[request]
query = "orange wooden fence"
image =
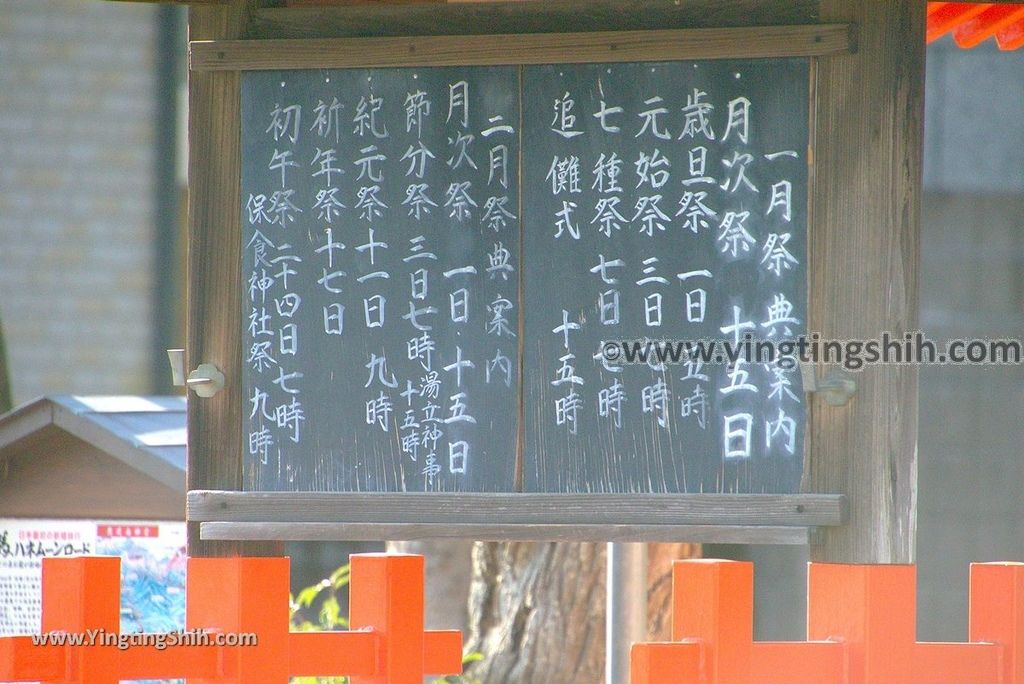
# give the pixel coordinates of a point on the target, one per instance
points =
(861, 622)
(387, 643)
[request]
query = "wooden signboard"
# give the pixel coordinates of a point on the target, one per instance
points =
(433, 258)
(360, 203)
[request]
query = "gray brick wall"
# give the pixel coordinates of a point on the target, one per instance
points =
(971, 445)
(973, 128)
(76, 194)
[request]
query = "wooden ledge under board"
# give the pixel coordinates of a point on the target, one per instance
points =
(322, 516)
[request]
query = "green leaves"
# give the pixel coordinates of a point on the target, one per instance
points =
(322, 601)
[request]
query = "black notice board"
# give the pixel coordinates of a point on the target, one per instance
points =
(381, 297)
(702, 149)
(665, 201)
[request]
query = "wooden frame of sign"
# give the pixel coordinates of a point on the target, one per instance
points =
(852, 453)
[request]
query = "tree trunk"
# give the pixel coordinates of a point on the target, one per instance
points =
(537, 610)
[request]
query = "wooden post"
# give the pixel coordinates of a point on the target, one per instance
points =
(863, 250)
(214, 270)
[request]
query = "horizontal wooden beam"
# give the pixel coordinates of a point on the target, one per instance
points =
(541, 48)
(538, 16)
(696, 534)
(468, 508)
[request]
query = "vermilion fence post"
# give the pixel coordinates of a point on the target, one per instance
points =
(237, 596)
(712, 623)
(869, 608)
(81, 596)
(861, 622)
(713, 602)
(387, 644)
(78, 596)
(997, 613)
(872, 609)
(387, 595)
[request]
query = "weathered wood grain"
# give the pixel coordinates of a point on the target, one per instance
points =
(541, 48)
(720, 534)
(537, 509)
(864, 256)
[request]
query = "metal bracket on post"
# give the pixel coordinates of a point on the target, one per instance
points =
(837, 387)
(176, 357)
(205, 381)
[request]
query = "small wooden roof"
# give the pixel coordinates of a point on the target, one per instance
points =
(104, 457)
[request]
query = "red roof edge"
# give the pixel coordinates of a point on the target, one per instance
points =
(972, 23)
